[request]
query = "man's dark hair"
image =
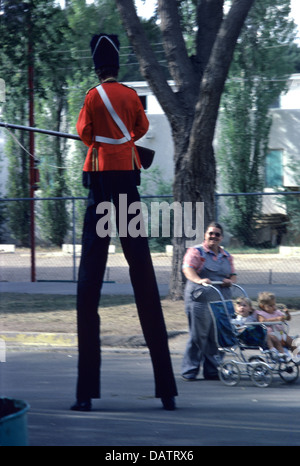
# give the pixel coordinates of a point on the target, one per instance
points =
(107, 72)
(216, 225)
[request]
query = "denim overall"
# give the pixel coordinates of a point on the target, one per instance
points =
(201, 346)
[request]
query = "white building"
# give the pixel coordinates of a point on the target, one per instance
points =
(284, 141)
(158, 137)
(282, 163)
(282, 158)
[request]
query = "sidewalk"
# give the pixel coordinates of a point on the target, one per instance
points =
(67, 288)
(283, 291)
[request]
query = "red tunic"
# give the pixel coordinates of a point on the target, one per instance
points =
(95, 120)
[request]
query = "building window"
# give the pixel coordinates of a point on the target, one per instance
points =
(143, 99)
(273, 168)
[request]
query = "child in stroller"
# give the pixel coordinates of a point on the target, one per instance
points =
(278, 339)
(249, 335)
(244, 311)
(234, 340)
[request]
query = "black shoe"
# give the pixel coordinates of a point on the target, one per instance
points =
(189, 379)
(168, 403)
(82, 406)
(212, 377)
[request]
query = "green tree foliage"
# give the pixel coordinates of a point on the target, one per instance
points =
(12, 53)
(32, 31)
(258, 75)
(63, 72)
(51, 109)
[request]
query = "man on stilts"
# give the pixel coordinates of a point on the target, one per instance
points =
(111, 169)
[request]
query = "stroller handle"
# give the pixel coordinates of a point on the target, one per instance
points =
(213, 284)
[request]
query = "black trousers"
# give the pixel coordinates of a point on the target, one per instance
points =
(107, 186)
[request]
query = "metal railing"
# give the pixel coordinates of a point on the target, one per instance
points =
(55, 265)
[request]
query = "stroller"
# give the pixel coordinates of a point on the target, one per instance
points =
(237, 344)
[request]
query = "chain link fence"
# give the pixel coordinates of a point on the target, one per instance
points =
(273, 258)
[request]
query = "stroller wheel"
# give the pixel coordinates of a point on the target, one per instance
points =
(229, 373)
(252, 359)
(289, 372)
(261, 375)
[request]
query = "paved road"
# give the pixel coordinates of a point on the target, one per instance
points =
(128, 415)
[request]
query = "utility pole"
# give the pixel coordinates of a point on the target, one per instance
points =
(31, 142)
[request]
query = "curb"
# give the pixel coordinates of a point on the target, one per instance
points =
(39, 339)
(45, 340)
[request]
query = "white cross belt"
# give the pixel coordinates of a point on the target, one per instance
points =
(110, 140)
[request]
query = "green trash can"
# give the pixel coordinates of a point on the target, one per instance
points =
(13, 423)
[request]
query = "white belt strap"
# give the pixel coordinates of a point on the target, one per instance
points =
(110, 140)
(116, 119)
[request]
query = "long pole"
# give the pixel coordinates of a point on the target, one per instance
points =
(31, 145)
(33, 130)
(40, 130)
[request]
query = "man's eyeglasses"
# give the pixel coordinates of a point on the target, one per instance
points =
(212, 233)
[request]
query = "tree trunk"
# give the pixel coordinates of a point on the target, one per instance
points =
(194, 182)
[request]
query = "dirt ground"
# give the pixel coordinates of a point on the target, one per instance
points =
(54, 313)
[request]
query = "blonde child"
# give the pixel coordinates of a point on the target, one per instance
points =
(268, 312)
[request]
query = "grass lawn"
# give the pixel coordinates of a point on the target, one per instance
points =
(57, 313)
